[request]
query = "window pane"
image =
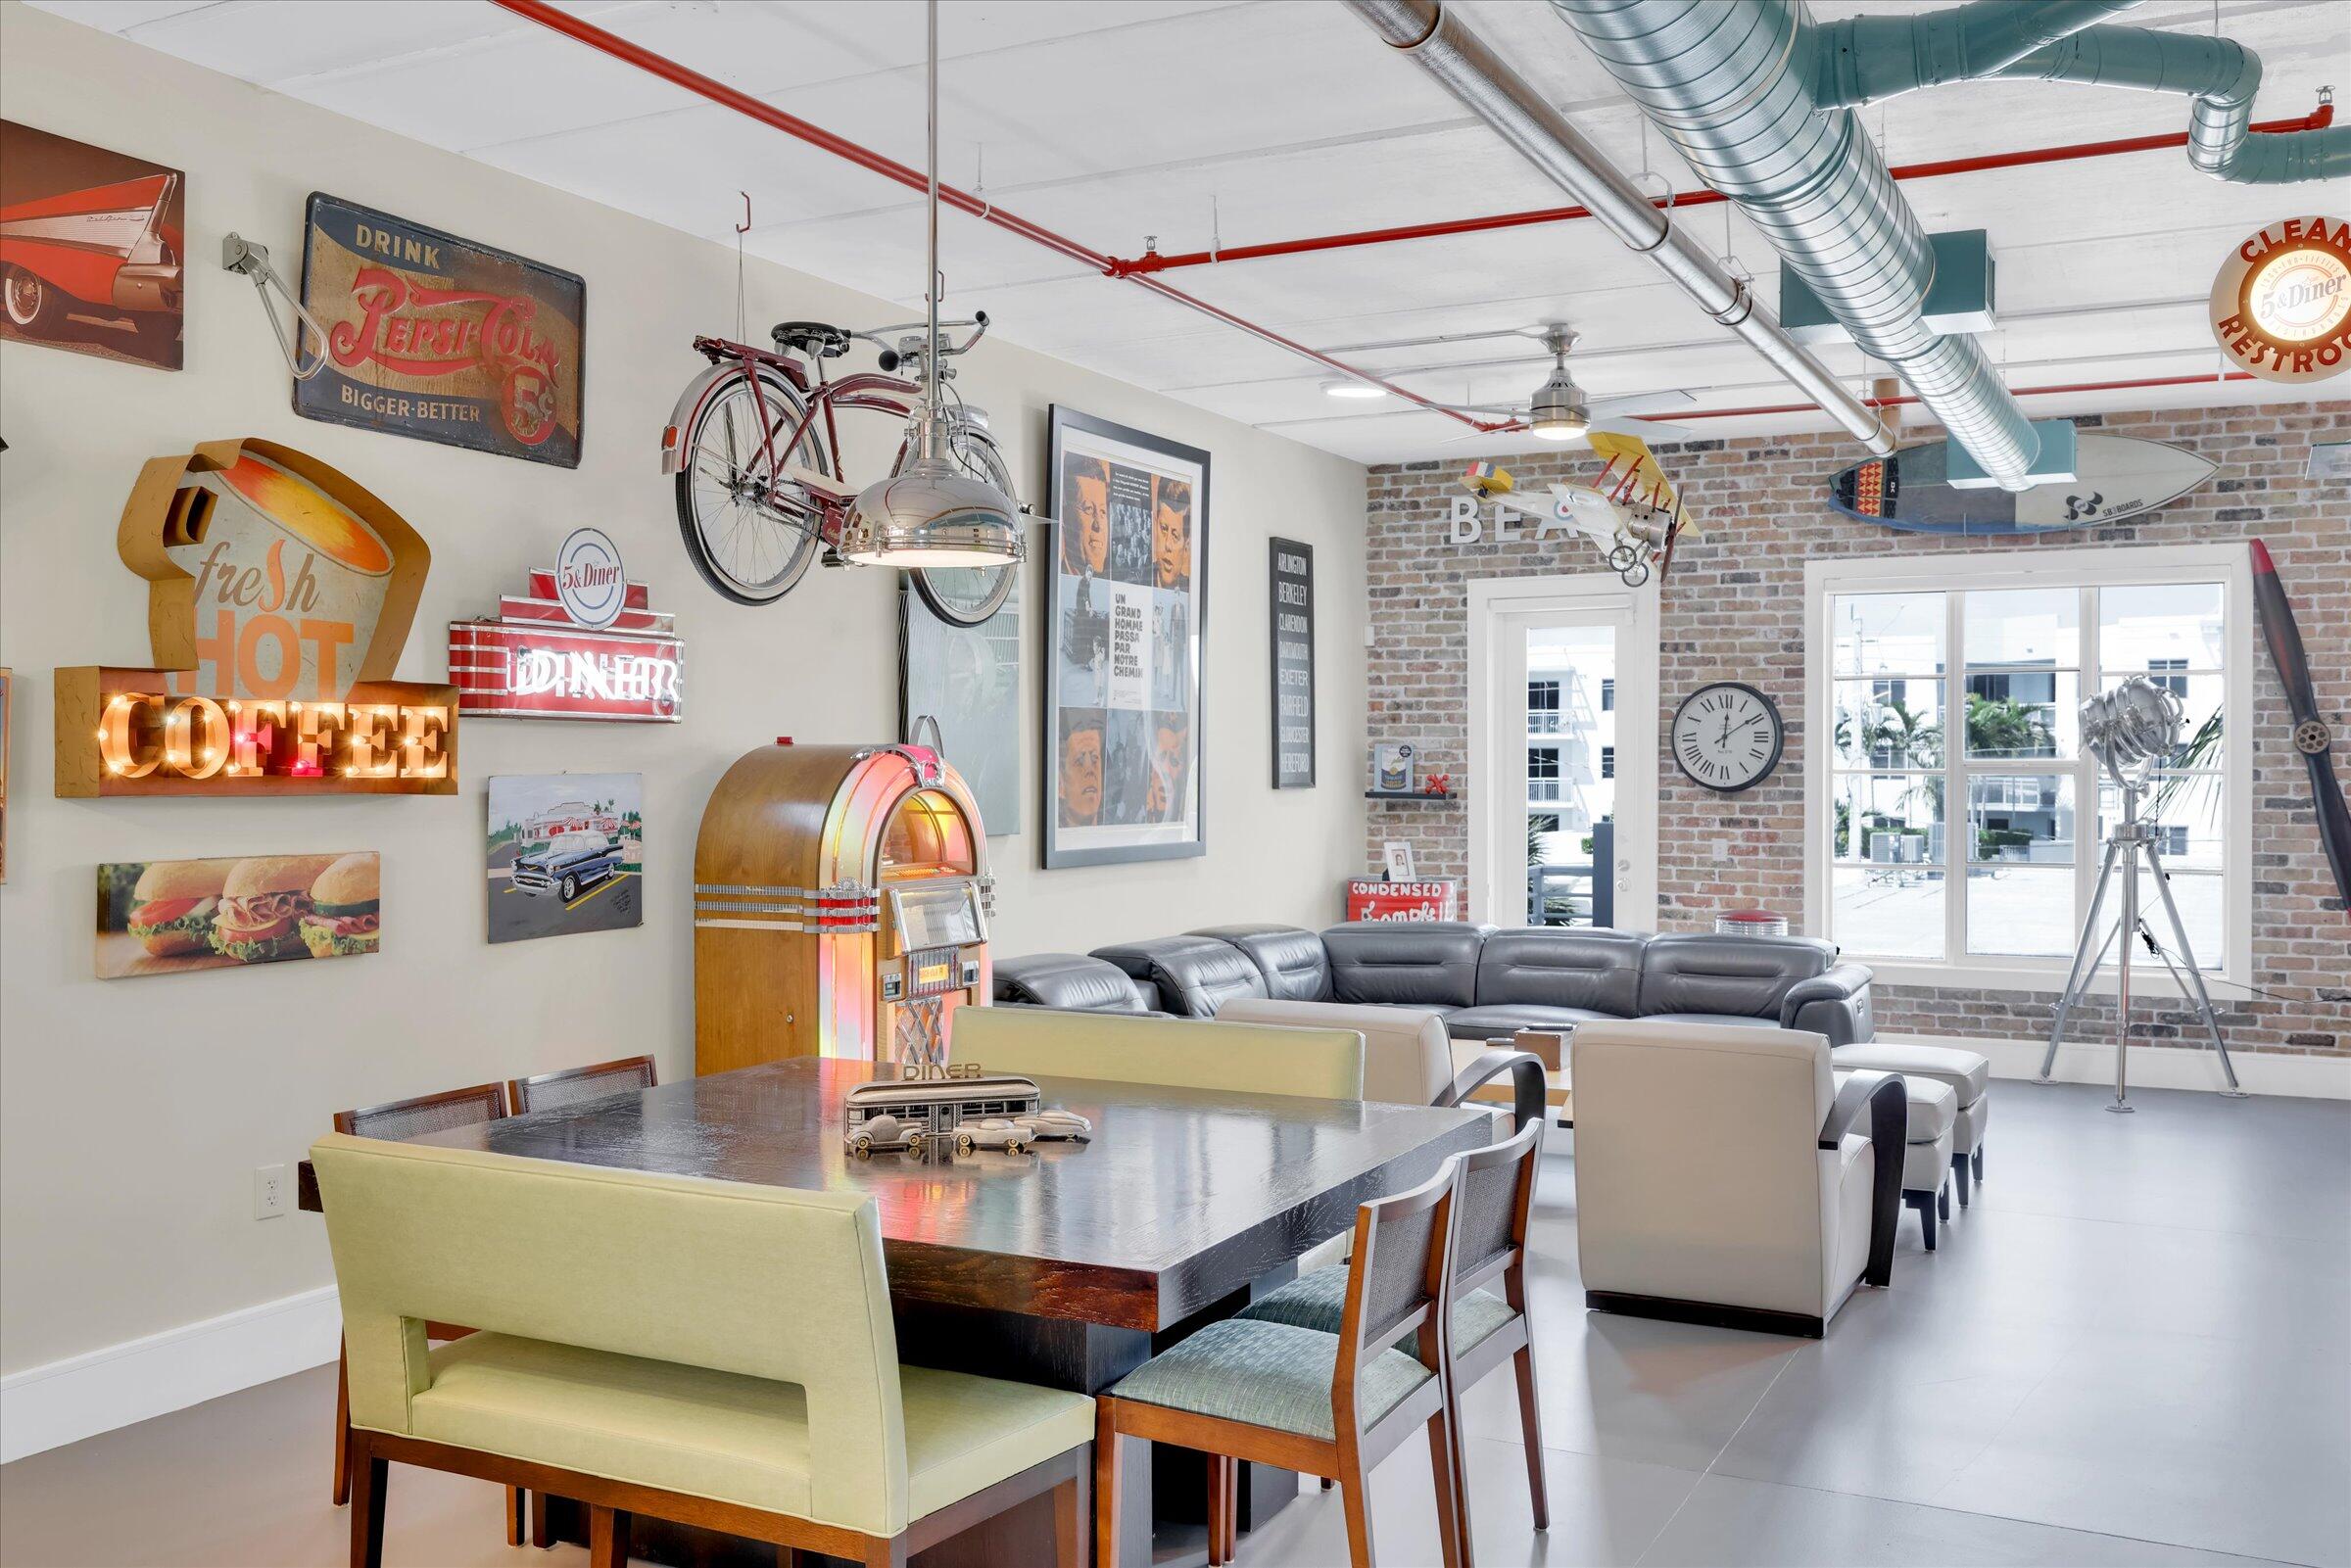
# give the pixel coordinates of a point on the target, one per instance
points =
(1887, 634)
(1890, 723)
(2020, 818)
(1887, 913)
(2021, 912)
(2202, 908)
(2165, 621)
(2024, 628)
(1890, 819)
(2186, 809)
(2013, 715)
(2200, 694)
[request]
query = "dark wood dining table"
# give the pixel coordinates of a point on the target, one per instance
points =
(1069, 1265)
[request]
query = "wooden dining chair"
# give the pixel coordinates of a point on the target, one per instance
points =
(412, 1118)
(1486, 1242)
(548, 1090)
(1322, 1404)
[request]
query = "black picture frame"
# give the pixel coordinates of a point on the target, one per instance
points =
(1290, 649)
(1117, 582)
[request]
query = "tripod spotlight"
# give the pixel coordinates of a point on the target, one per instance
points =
(2131, 730)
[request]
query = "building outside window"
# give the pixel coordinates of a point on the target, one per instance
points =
(1542, 706)
(1957, 821)
(1608, 696)
(1608, 762)
(1542, 773)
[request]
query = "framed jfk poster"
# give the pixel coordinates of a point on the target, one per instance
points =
(1124, 725)
(440, 338)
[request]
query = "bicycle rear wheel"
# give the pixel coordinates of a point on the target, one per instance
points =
(750, 532)
(967, 596)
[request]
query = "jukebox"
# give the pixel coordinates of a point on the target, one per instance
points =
(840, 906)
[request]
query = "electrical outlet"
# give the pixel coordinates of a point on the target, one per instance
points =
(1722, 849)
(269, 1191)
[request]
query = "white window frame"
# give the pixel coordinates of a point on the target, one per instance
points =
(2119, 567)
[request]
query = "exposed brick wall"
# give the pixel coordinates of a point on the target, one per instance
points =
(1733, 609)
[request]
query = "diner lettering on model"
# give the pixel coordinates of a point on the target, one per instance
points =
(394, 405)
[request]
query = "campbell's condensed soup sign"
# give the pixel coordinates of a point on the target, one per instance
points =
(2281, 304)
(439, 338)
(581, 641)
(1370, 898)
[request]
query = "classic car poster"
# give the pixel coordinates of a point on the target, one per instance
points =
(966, 678)
(1122, 722)
(437, 338)
(92, 248)
(162, 917)
(567, 853)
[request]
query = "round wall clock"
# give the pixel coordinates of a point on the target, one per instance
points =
(1727, 736)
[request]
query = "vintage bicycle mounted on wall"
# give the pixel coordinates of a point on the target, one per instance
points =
(756, 451)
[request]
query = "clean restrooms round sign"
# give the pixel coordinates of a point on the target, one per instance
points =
(2282, 305)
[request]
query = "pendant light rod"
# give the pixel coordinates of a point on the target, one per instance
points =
(930, 280)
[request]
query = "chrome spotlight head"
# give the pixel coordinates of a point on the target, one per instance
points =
(932, 513)
(2135, 725)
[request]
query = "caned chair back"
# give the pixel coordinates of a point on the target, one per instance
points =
(546, 1091)
(427, 1112)
(1492, 1205)
(1393, 1281)
(1179, 1053)
(768, 1282)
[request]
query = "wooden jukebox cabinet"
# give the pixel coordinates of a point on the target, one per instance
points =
(841, 907)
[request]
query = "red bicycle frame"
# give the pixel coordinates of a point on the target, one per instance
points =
(866, 389)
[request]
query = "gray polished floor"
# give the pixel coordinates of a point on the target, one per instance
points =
(2134, 1349)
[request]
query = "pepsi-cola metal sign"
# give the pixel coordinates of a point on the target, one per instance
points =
(582, 641)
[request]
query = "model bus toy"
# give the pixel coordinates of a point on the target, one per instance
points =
(907, 1114)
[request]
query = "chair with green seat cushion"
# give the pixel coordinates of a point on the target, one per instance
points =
(1181, 1052)
(653, 1343)
(1317, 1301)
(1327, 1404)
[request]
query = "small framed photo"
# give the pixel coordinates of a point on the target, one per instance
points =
(1393, 770)
(1399, 856)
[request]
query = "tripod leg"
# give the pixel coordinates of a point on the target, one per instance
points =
(2085, 965)
(2195, 975)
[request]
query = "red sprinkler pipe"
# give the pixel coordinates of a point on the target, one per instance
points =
(1153, 261)
(1684, 417)
(889, 168)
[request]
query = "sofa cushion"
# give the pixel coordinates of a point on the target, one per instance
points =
(1740, 1021)
(1745, 975)
(1292, 960)
(722, 1434)
(1967, 1073)
(1492, 1023)
(1072, 981)
(1192, 973)
(1599, 969)
(1416, 962)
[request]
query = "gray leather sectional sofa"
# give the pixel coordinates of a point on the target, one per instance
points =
(1486, 981)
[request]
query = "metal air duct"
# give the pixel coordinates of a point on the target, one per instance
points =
(1459, 61)
(1728, 82)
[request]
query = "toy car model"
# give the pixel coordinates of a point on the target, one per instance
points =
(1017, 1134)
(1058, 1126)
(569, 863)
(883, 1134)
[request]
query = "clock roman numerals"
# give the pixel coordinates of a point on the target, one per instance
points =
(1726, 737)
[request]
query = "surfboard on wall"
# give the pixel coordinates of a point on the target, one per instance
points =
(2115, 476)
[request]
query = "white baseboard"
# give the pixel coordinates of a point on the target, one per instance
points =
(2157, 1067)
(45, 1406)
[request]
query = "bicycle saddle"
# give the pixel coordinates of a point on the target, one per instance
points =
(817, 339)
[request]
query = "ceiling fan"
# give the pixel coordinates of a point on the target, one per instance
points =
(1560, 412)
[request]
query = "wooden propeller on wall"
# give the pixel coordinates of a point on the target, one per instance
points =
(2310, 734)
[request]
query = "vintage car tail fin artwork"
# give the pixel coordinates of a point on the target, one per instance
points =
(92, 248)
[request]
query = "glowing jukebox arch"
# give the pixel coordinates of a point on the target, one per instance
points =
(840, 906)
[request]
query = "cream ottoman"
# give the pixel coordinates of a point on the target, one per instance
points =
(1927, 1161)
(1968, 1074)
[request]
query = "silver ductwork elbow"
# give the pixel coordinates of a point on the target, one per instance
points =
(1729, 82)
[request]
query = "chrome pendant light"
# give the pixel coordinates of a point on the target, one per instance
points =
(932, 512)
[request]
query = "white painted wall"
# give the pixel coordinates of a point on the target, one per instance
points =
(132, 1112)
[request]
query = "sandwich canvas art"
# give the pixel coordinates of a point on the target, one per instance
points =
(160, 916)
(566, 853)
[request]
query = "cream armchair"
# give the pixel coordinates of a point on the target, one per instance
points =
(1724, 1175)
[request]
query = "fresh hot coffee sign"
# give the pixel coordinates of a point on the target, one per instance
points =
(280, 594)
(435, 337)
(581, 641)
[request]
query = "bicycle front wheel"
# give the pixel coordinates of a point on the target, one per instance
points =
(967, 596)
(750, 531)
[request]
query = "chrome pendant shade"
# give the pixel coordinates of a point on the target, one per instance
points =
(934, 512)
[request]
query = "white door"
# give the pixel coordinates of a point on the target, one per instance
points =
(1562, 734)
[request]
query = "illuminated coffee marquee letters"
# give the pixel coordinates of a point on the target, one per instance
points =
(279, 594)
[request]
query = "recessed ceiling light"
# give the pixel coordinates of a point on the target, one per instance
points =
(1353, 388)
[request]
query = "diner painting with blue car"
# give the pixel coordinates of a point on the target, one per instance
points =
(566, 853)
